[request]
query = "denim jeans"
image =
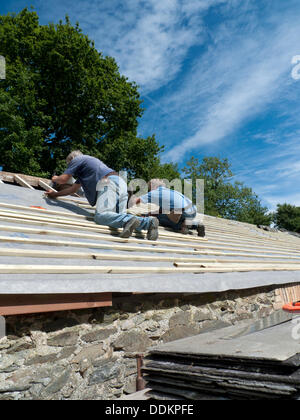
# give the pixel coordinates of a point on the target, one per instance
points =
(112, 204)
(166, 222)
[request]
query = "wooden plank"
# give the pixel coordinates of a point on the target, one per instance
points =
(92, 226)
(63, 214)
(163, 233)
(56, 243)
(36, 253)
(245, 265)
(99, 228)
(31, 180)
(30, 304)
(22, 182)
(39, 221)
(97, 245)
(171, 245)
(28, 219)
(46, 186)
(52, 269)
(82, 203)
(233, 263)
(96, 236)
(289, 293)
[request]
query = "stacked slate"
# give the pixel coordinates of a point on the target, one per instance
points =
(233, 363)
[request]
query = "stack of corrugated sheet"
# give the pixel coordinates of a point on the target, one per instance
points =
(232, 363)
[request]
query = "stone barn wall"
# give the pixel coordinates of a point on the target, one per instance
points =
(90, 354)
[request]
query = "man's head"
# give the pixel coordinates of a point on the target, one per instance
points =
(155, 183)
(73, 155)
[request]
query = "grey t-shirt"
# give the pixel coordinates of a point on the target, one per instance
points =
(88, 171)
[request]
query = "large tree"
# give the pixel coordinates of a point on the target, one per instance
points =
(223, 197)
(61, 94)
(287, 217)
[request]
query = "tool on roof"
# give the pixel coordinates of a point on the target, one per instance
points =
(293, 307)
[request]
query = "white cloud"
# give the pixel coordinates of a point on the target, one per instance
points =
(253, 74)
(149, 39)
(275, 199)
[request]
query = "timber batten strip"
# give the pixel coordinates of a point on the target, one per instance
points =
(35, 253)
(31, 180)
(46, 186)
(163, 233)
(13, 216)
(46, 211)
(97, 245)
(51, 269)
(109, 238)
(78, 225)
(132, 248)
(93, 227)
(22, 182)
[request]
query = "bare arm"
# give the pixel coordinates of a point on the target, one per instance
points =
(62, 179)
(68, 191)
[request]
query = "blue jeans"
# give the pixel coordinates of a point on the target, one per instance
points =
(166, 222)
(112, 204)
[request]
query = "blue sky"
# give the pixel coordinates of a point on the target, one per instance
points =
(215, 77)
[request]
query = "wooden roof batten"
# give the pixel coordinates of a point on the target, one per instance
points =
(229, 247)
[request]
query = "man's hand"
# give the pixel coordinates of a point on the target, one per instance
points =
(51, 194)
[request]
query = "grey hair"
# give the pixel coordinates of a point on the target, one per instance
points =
(156, 183)
(73, 155)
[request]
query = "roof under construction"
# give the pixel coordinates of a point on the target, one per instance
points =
(59, 249)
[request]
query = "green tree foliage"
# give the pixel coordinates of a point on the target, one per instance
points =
(169, 171)
(224, 198)
(61, 94)
(287, 217)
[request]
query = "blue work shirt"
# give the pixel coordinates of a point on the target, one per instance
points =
(168, 200)
(88, 171)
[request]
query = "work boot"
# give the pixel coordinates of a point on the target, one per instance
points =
(184, 229)
(130, 226)
(201, 231)
(152, 234)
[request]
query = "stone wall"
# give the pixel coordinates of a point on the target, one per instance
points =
(91, 354)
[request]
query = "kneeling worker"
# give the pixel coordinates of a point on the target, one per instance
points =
(175, 210)
(104, 188)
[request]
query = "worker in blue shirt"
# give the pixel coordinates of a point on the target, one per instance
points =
(106, 190)
(176, 211)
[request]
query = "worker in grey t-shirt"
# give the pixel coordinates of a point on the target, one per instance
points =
(104, 188)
